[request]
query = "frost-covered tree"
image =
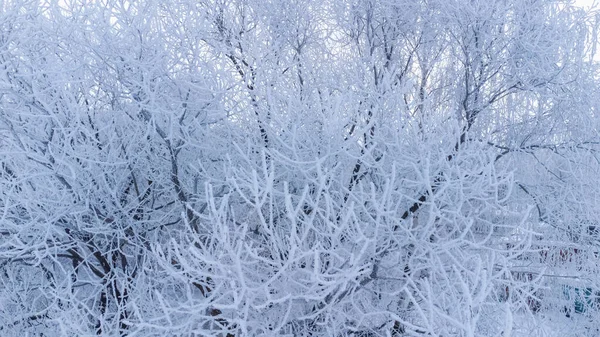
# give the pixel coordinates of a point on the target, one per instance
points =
(299, 168)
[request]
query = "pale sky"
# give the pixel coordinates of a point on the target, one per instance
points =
(584, 3)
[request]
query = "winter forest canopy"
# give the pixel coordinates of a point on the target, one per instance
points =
(299, 168)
